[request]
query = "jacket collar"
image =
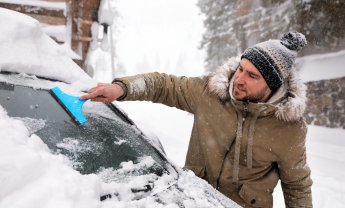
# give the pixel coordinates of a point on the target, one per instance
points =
(289, 102)
(261, 109)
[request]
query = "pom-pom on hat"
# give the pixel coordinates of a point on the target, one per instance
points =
(274, 58)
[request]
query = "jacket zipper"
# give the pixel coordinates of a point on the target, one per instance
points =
(245, 109)
(244, 115)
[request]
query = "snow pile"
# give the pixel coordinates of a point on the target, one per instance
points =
(30, 176)
(326, 156)
(27, 49)
(58, 32)
(188, 190)
(322, 66)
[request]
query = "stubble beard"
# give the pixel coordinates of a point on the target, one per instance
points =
(251, 98)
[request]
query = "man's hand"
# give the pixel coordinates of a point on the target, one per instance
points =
(104, 92)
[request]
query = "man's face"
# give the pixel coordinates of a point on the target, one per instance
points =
(249, 83)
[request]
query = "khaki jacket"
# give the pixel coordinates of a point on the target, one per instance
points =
(242, 149)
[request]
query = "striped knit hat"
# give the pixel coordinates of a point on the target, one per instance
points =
(274, 58)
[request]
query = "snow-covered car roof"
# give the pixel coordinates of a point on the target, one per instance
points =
(25, 48)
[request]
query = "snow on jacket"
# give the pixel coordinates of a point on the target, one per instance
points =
(240, 148)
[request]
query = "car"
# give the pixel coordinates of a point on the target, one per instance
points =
(47, 159)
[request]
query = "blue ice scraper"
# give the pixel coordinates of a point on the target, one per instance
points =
(71, 104)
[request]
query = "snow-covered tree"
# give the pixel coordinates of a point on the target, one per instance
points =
(219, 26)
(323, 24)
(233, 25)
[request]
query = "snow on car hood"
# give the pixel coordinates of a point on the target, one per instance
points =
(33, 177)
(25, 48)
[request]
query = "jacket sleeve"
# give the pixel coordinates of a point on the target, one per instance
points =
(294, 171)
(180, 92)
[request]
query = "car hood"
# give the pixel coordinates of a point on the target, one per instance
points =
(27, 49)
(34, 175)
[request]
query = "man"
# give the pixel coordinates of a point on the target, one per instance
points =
(248, 130)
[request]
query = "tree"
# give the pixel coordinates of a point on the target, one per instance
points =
(323, 24)
(233, 25)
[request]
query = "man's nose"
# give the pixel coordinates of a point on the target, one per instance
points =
(240, 78)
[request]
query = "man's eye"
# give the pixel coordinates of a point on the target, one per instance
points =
(253, 76)
(240, 68)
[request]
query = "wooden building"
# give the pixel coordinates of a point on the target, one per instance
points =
(74, 17)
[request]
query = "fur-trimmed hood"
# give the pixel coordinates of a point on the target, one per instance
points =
(289, 100)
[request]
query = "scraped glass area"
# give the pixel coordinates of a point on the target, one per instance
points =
(103, 142)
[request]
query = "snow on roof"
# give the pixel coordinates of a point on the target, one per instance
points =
(322, 67)
(25, 48)
(45, 4)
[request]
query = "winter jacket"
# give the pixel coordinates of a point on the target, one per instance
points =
(242, 149)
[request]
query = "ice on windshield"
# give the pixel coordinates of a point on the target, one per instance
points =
(33, 125)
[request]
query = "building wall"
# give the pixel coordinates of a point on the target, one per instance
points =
(326, 103)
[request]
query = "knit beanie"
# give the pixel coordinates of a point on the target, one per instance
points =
(274, 58)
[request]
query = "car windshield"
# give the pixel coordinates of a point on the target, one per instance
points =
(105, 141)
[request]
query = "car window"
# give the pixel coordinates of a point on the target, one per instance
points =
(105, 141)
